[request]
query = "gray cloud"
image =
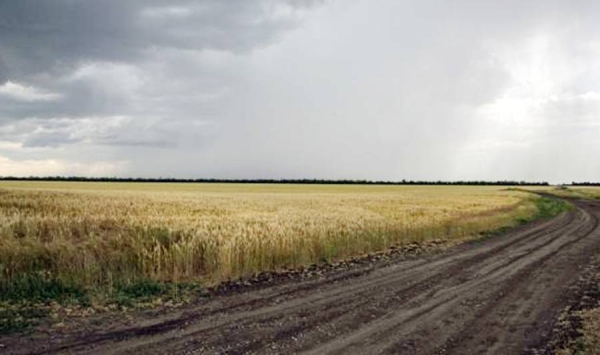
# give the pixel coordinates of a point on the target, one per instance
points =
(50, 35)
(338, 89)
(46, 42)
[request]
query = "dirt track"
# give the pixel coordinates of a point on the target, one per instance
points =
(498, 296)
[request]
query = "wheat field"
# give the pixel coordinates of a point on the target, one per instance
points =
(586, 192)
(96, 235)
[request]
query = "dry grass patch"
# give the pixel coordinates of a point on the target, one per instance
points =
(588, 342)
(591, 331)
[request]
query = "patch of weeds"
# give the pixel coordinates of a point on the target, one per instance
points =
(23, 300)
(38, 287)
(144, 288)
(14, 318)
(128, 294)
(146, 291)
(549, 207)
(26, 300)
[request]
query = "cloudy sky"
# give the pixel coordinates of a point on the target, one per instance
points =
(356, 89)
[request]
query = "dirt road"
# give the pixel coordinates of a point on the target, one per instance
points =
(498, 296)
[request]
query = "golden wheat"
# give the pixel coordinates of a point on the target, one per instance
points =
(96, 234)
(592, 192)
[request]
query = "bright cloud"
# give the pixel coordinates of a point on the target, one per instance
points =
(53, 167)
(20, 92)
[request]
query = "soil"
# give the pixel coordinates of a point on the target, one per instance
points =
(501, 295)
(584, 296)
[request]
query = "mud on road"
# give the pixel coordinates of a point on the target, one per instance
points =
(498, 296)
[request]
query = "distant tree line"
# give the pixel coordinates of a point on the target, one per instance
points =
(585, 183)
(276, 181)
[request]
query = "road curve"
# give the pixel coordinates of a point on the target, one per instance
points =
(498, 296)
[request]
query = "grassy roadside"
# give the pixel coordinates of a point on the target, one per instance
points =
(39, 296)
(546, 208)
(549, 207)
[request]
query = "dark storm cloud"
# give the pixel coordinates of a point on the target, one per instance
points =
(52, 35)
